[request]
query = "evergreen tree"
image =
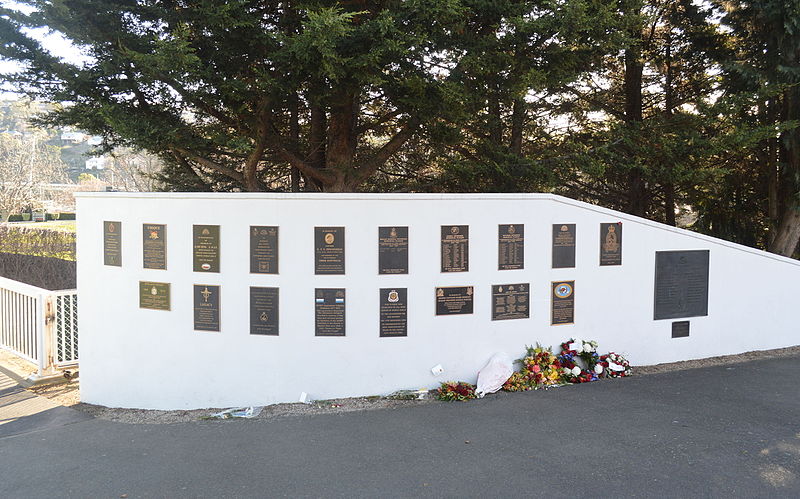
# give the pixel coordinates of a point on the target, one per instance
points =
(243, 94)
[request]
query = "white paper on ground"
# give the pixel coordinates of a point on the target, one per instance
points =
(494, 374)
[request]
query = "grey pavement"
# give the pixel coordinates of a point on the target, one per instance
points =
(725, 431)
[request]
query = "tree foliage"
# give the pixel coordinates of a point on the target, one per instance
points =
(680, 111)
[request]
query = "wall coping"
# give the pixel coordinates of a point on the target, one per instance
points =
(355, 196)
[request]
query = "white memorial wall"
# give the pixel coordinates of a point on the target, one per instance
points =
(134, 356)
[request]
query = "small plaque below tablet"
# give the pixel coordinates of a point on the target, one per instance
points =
(680, 329)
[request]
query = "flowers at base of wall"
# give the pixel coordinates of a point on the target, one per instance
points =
(615, 365)
(580, 361)
(540, 369)
(455, 391)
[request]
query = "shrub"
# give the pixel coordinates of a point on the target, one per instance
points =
(39, 271)
(37, 242)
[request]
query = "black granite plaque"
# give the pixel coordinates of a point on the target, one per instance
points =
(611, 243)
(329, 250)
(455, 248)
(263, 249)
(264, 311)
(205, 248)
(393, 312)
(393, 250)
(563, 246)
(510, 301)
(454, 300)
(206, 307)
(681, 284)
(680, 329)
(511, 247)
(329, 312)
(154, 246)
(562, 309)
(112, 244)
(154, 295)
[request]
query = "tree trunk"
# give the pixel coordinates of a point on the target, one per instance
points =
(316, 142)
(637, 189)
(517, 125)
(787, 235)
(342, 140)
(788, 232)
(669, 104)
(495, 120)
(294, 139)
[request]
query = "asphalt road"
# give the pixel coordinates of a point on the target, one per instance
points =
(715, 432)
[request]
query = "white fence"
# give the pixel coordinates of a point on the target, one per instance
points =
(39, 325)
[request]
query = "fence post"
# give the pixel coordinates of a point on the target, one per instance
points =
(45, 315)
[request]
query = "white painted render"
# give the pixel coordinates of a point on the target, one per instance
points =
(132, 357)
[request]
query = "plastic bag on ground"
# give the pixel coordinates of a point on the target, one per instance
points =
(494, 374)
(238, 412)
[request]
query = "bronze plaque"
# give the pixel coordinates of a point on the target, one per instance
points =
(329, 308)
(112, 243)
(328, 250)
(154, 295)
(563, 246)
(681, 284)
(264, 311)
(206, 307)
(680, 329)
(393, 312)
(455, 248)
(205, 248)
(511, 247)
(392, 250)
(562, 309)
(154, 246)
(455, 300)
(611, 243)
(263, 249)
(510, 301)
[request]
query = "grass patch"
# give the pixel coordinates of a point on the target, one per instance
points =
(60, 225)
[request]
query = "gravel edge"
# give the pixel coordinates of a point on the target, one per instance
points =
(343, 405)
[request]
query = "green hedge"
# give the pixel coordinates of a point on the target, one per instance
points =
(24, 217)
(37, 242)
(59, 216)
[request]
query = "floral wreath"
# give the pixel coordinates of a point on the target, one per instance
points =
(540, 369)
(615, 365)
(585, 351)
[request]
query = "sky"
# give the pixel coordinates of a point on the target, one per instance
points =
(53, 42)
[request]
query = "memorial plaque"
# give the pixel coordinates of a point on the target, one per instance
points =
(264, 311)
(511, 247)
(392, 250)
(680, 329)
(510, 301)
(611, 243)
(454, 300)
(154, 295)
(455, 248)
(562, 309)
(206, 307)
(393, 312)
(329, 250)
(263, 249)
(681, 284)
(563, 246)
(112, 244)
(205, 248)
(329, 312)
(154, 246)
